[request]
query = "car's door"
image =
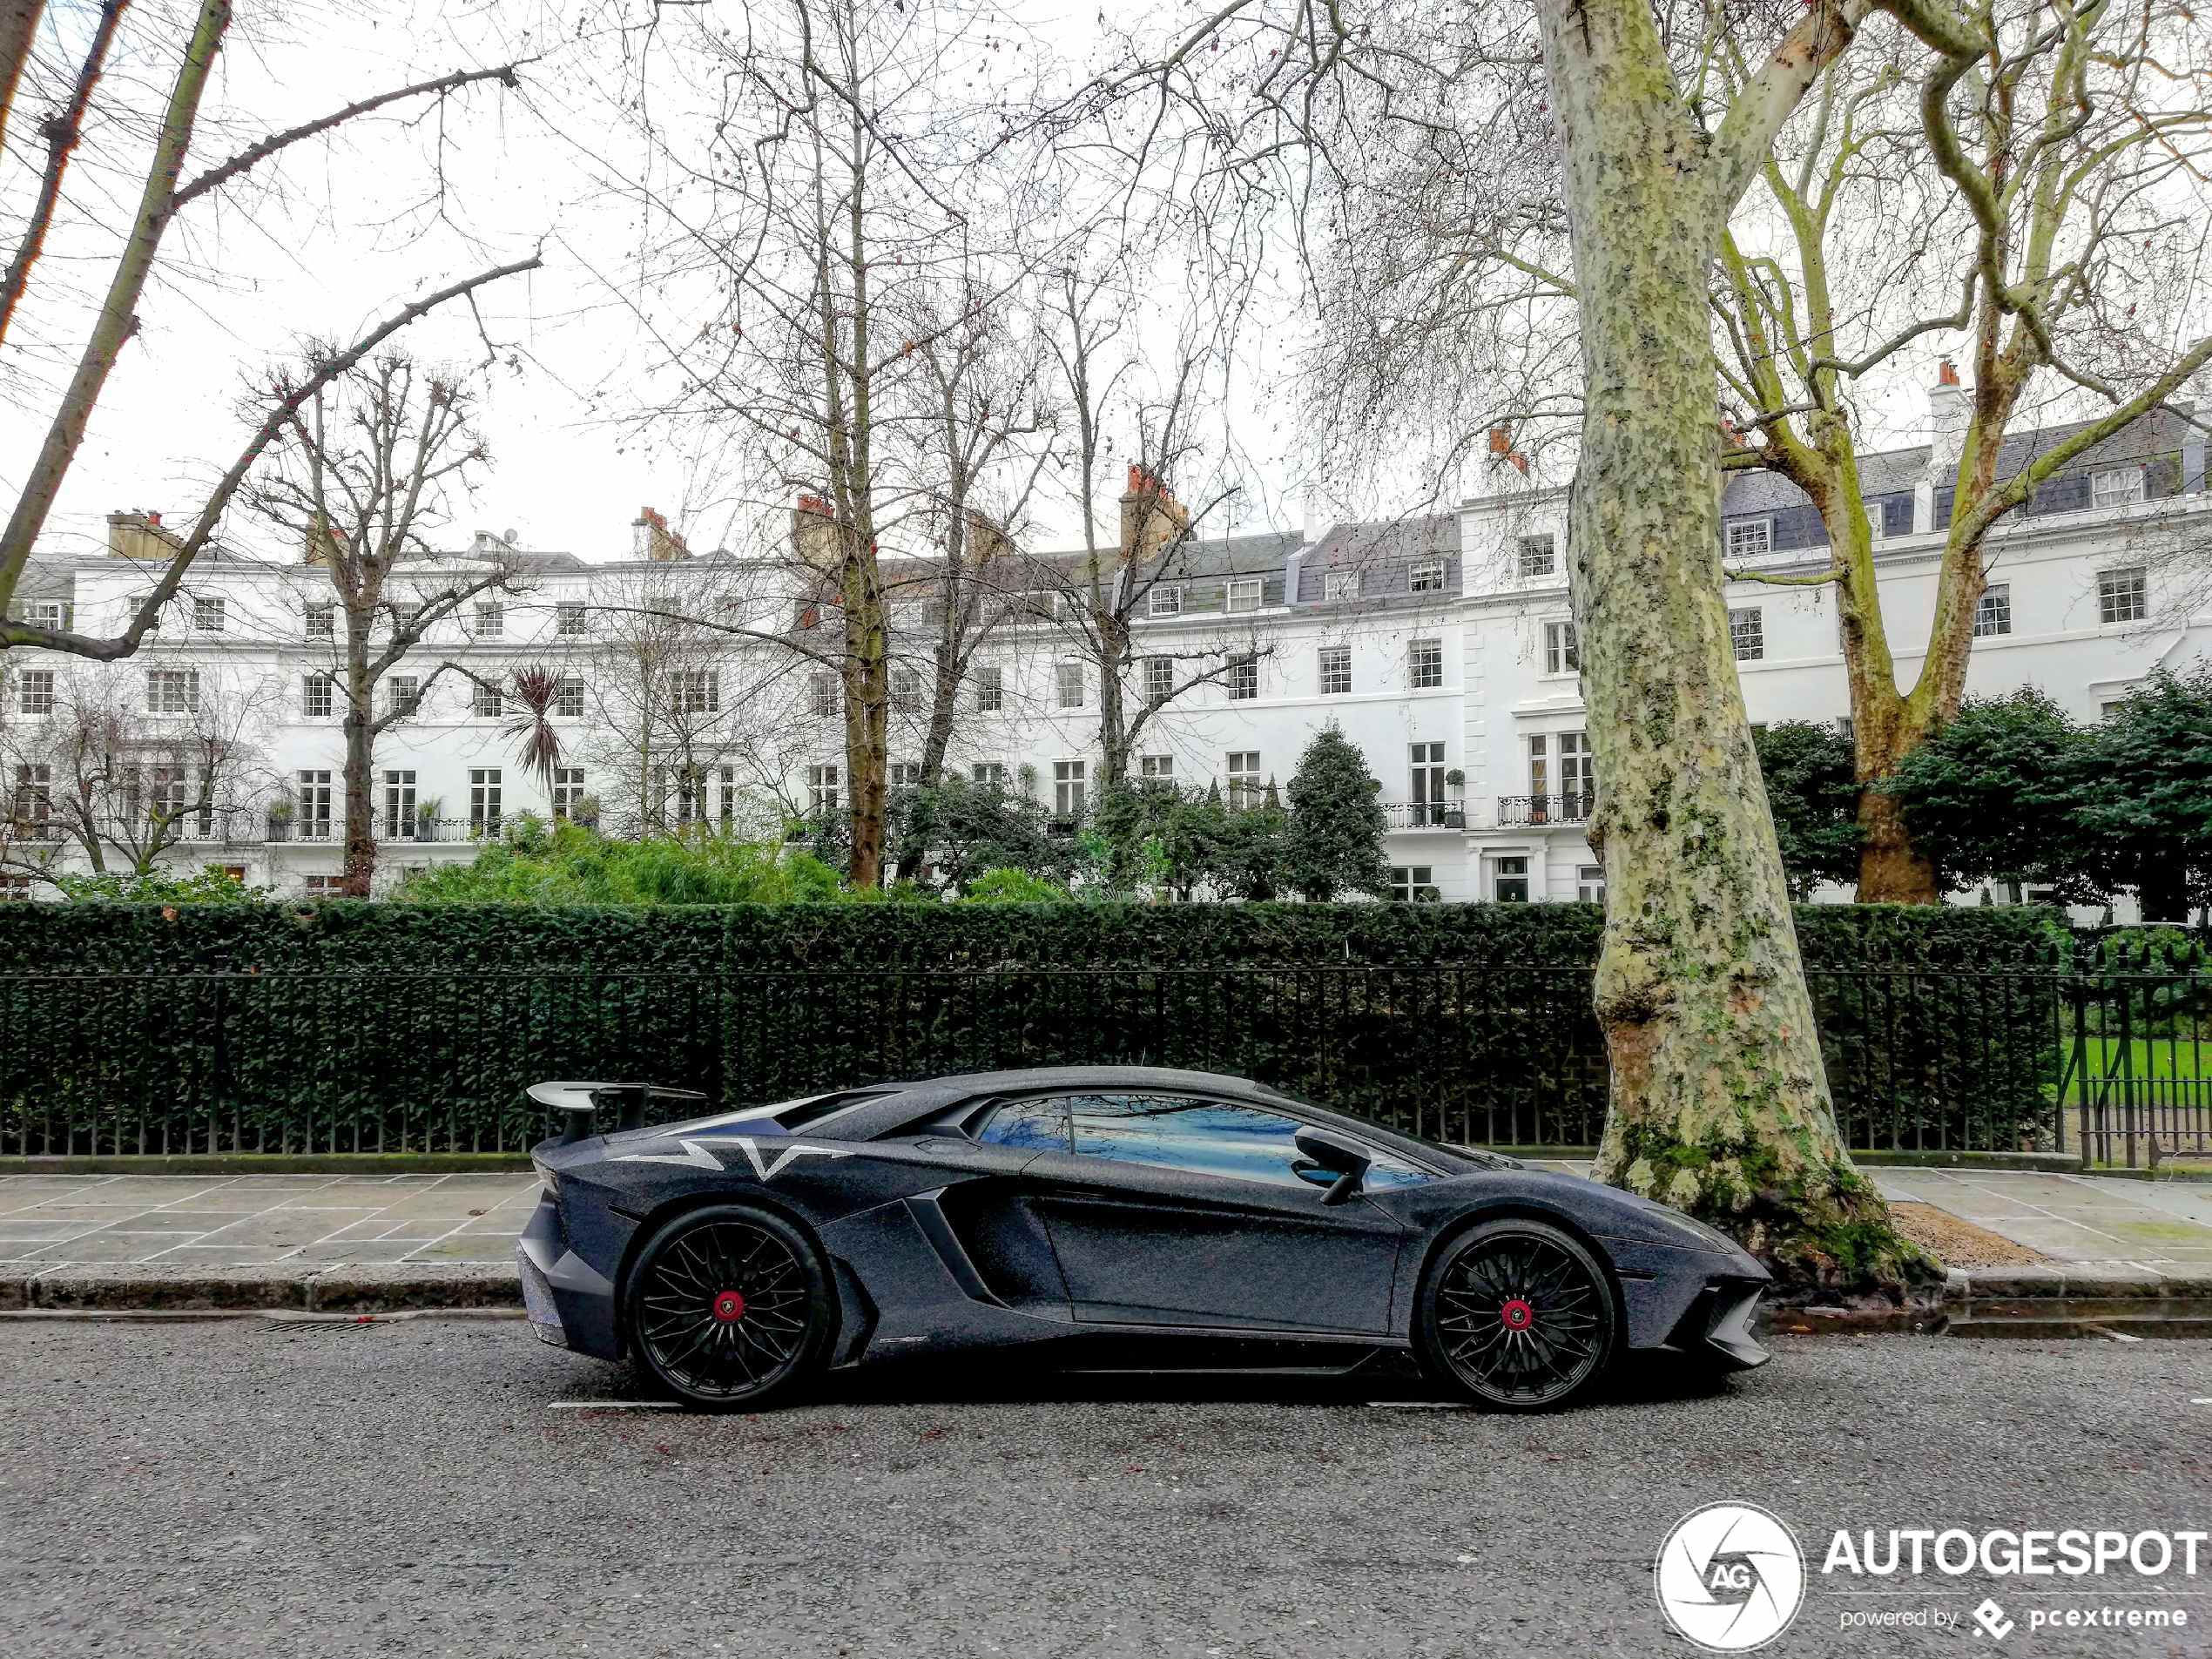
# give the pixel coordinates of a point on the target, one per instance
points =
(1176, 1209)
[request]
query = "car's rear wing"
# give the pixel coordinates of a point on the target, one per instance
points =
(580, 1103)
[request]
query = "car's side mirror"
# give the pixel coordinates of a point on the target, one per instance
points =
(1337, 1154)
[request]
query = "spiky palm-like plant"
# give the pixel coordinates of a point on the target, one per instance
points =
(538, 740)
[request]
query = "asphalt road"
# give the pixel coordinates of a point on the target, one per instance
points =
(248, 1488)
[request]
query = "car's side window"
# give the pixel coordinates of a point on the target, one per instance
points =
(1204, 1136)
(1040, 1124)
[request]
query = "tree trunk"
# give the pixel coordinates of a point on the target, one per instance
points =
(1719, 1103)
(2163, 894)
(1892, 869)
(1113, 716)
(359, 864)
(866, 714)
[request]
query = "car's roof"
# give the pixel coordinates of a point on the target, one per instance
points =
(898, 1107)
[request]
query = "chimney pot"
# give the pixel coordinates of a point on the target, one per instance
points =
(1946, 373)
(1500, 440)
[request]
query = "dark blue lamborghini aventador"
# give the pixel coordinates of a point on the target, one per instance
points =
(1136, 1218)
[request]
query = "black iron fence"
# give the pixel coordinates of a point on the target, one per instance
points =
(2135, 1083)
(1917, 1059)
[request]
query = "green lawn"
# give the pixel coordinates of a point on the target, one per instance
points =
(2152, 1057)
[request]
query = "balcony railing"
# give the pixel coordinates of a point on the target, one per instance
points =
(1516, 810)
(1425, 814)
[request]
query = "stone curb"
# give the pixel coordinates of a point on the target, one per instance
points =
(2075, 1282)
(378, 1287)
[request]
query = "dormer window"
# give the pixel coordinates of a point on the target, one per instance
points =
(1750, 537)
(1243, 594)
(1538, 556)
(1165, 600)
(1340, 585)
(2118, 487)
(1874, 521)
(1425, 577)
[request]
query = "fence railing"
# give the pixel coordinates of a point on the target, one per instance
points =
(1922, 1060)
(1425, 814)
(2136, 1078)
(1514, 811)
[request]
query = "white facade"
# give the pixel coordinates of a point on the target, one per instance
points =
(1439, 645)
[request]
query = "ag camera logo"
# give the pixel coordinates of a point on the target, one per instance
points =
(1730, 1577)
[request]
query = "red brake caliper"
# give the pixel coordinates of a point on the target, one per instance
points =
(729, 1307)
(1517, 1315)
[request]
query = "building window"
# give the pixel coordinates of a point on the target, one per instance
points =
(988, 774)
(1243, 778)
(1509, 881)
(33, 806)
(1164, 600)
(906, 774)
(323, 621)
(568, 618)
(1336, 669)
(1243, 681)
(1425, 664)
(311, 805)
(1747, 633)
(491, 619)
(822, 783)
(1340, 585)
(2120, 487)
(49, 613)
(1156, 768)
(1159, 679)
(1874, 527)
(207, 616)
(14, 885)
(990, 690)
(1069, 788)
(172, 691)
(1577, 775)
(727, 778)
(404, 695)
(568, 698)
(490, 705)
(34, 691)
(906, 690)
(825, 699)
(1069, 679)
(2123, 595)
(324, 886)
(699, 691)
(1538, 556)
(1589, 883)
(1993, 611)
(1414, 883)
(483, 800)
(1427, 796)
(399, 805)
(1750, 537)
(1243, 594)
(1426, 576)
(316, 698)
(1561, 654)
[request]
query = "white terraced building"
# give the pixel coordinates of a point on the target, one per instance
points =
(1440, 644)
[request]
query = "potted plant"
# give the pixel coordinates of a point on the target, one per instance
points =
(1456, 779)
(281, 815)
(585, 812)
(426, 819)
(1455, 816)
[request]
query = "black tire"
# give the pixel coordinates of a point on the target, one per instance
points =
(1517, 1315)
(729, 1308)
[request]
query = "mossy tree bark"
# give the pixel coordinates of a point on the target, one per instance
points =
(1719, 1106)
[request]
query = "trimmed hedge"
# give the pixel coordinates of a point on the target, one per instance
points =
(367, 937)
(347, 1026)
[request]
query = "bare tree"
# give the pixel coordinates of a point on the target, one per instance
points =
(2036, 218)
(357, 479)
(855, 207)
(126, 764)
(1096, 596)
(106, 115)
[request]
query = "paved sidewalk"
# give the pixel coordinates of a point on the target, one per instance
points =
(257, 1220)
(351, 1241)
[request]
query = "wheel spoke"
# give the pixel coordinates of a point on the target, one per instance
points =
(713, 1342)
(1519, 1317)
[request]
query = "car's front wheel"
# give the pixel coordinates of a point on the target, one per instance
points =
(729, 1308)
(1517, 1313)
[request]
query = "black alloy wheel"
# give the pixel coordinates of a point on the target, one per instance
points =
(1517, 1314)
(729, 1307)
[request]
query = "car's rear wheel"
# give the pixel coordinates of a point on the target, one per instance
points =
(729, 1308)
(1517, 1313)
